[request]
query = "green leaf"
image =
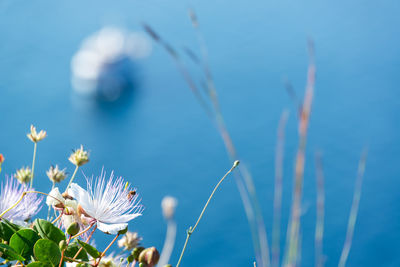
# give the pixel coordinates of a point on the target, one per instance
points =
(23, 241)
(89, 249)
(72, 249)
(48, 231)
(7, 229)
(8, 253)
(46, 251)
(83, 264)
(39, 264)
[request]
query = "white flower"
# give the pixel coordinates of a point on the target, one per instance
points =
(11, 192)
(58, 201)
(24, 175)
(55, 174)
(129, 241)
(35, 136)
(110, 204)
(79, 157)
(112, 261)
(68, 206)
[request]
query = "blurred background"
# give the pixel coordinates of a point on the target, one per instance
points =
(127, 104)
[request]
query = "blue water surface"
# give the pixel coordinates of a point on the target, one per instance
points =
(160, 139)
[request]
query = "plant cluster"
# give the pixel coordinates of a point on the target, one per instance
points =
(65, 237)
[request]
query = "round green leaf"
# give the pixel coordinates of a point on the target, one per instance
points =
(47, 251)
(23, 241)
(7, 229)
(72, 249)
(8, 253)
(47, 230)
(92, 251)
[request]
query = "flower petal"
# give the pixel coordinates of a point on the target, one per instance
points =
(111, 229)
(121, 219)
(54, 197)
(83, 198)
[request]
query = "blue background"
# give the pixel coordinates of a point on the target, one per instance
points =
(161, 140)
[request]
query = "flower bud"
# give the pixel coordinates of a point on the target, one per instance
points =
(55, 174)
(24, 175)
(136, 252)
(129, 241)
(62, 245)
(34, 136)
(73, 229)
(149, 256)
(79, 157)
(168, 205)
(130, 258)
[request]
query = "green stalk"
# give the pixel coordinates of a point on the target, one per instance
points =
(191, 229)
(72, 177)
(33, 162)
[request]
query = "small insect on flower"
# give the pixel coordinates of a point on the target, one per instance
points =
(131, 194)
(34, 136)
(55, 174)
(11, 192)
(79, 157)
(24, 175)
(107, 203)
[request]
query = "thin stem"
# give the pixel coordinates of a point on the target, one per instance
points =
(83, 231)
(354, 210)
(235, 164)
(294, 223)
(48, 211)
(87, 240)
(72, 177)
(108, 247)
(169, 243)
(59, 217)
(13, 206)
(191, 229)
(33, 162)
(319, 225)
(62, 253)
(184, 247)
(243, 178)
(279, 153)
